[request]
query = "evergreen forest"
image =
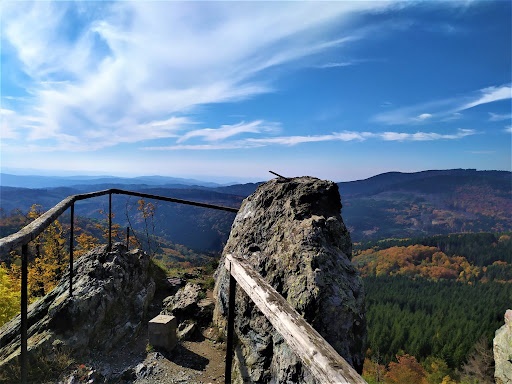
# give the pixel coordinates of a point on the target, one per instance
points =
(433, 306)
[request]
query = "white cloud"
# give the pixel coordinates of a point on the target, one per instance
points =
(294, 140)
(337, 64)
(133, 62)
(498, 117)
(489, 95)
(445, 109)
(508, 129)
(335, 136)
(453, 116)
(226, 131)
(424, 116)
(426, 136)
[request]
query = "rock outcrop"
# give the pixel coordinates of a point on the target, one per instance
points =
(502, 346)
(191, 308)
(291, 232)
(111, 294)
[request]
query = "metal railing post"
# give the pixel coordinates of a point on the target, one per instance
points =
(127, 238)
(110, 221)
(71, 248)
(24, 312)
(230, 330)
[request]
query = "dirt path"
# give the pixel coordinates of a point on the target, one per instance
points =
(190, 362)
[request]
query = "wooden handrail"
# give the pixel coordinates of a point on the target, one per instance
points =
(316, 353)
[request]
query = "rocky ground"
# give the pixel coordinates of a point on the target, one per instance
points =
(199, 359)
(194, 362)
(100, 335)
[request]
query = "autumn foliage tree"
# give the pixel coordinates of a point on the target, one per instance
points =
(9, 295)
(51, 258)
(406, 370)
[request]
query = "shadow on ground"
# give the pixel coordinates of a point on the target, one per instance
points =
(186, 358)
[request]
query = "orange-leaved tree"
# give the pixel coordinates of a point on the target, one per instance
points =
(406, 370)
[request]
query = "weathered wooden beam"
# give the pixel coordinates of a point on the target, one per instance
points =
(316, 353)
(30, 232)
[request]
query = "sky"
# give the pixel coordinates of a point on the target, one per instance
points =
(340, 90)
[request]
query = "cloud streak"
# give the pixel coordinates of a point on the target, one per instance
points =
(445, 109)
(227, 131)
(289, 141)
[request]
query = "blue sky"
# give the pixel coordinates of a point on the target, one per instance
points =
(339, 90)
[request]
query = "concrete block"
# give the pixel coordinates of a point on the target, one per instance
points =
(162, 332)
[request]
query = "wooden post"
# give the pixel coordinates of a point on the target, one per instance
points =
(326, 365)
(71, 248)
(24, 312)
(110, 222)
(231, 326)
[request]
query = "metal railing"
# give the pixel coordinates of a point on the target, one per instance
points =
(30, 232)
(316, 353)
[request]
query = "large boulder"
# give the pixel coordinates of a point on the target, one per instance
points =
(502, 346)
(111, 294)
(291, 232)
(190, 306)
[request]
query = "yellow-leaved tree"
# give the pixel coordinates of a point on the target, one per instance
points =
(9, 295)
(51, 257)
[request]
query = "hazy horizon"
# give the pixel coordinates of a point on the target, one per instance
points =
(222, 180)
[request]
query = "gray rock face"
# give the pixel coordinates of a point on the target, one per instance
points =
(292, 233)
(502, 346)
(111, 294)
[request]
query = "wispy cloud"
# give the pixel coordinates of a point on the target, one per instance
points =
(498, 117)
(345, 136)
(8, 121)
(481, 152)
(426, 136)
(110, 78)
(508, 129)
(444, 109)
(489, 95)
(336, 64)
(227, 131)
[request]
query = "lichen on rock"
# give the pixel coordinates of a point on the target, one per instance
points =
(291, 232)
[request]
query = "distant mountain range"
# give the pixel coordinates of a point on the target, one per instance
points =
(34, 181)
(392, 204)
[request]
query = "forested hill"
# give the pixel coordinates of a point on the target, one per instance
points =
(390, 205)
(426, 203)
(426, 181)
